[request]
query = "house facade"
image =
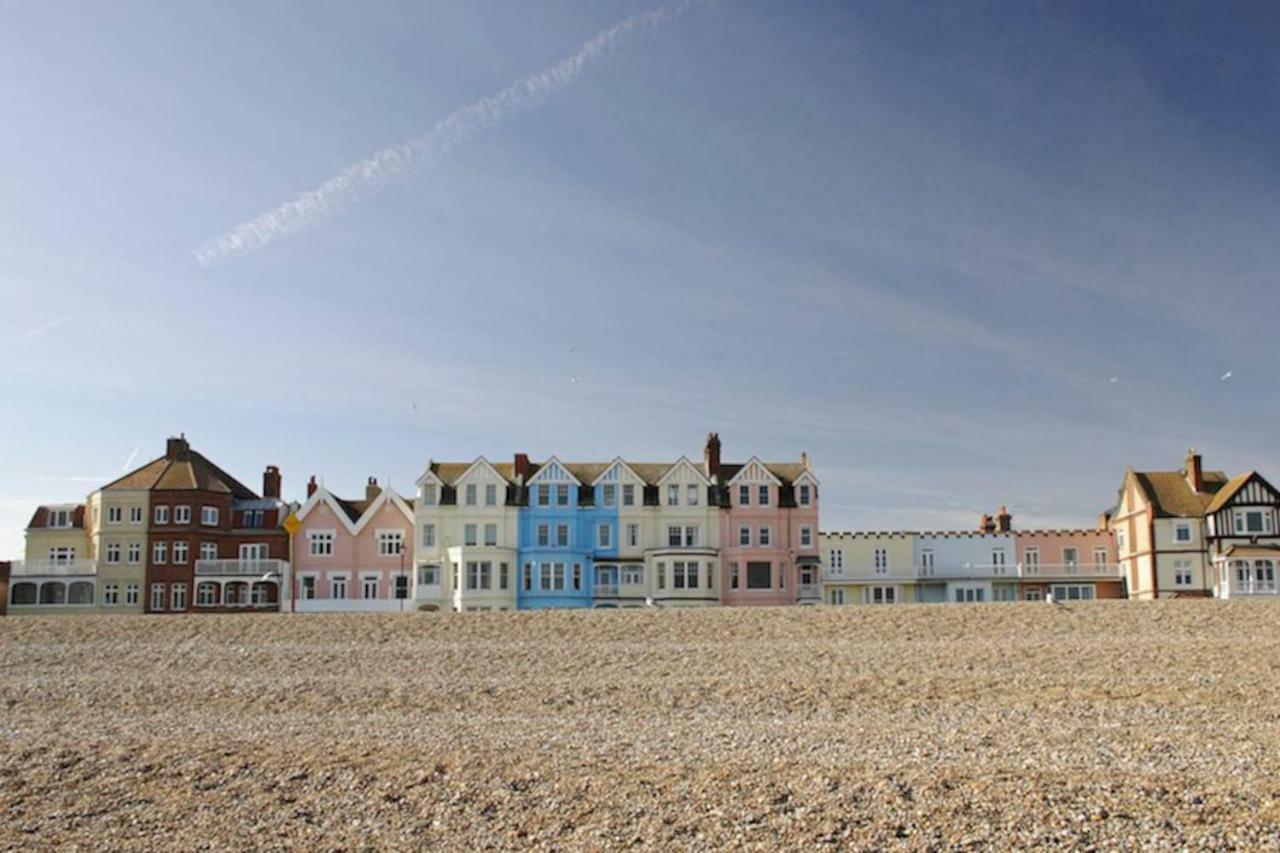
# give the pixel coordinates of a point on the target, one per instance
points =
(353, 555)
(1069, 565)
(1242, 537)
(873, 567)
(59, 573)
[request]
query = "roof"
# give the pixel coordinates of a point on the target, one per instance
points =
(449, 472)
(588, 472)
(40, 518)
(1227, 492)
(1271, 551)
(1171, 495)
(192, 472)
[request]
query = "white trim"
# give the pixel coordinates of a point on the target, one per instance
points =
(480, 460)
(323, 495)
(773, 478)
(547, 466)
(686, 462)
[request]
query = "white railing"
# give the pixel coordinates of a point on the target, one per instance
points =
(241, 567)
(810, 591)
(1070, 570)
(57, 568)
(606, 589)
(1254, 588)
(967, 570)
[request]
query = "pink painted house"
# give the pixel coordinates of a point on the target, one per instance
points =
(1067, 564)
(769, 530)
(353, 555)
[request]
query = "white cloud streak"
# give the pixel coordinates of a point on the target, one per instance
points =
(49, 326)
(398, 161)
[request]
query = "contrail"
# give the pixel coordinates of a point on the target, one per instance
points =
(356, 181)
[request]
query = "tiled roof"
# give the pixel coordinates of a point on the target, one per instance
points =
(1228, 491)
(1171, 495)
(40, 518)
(587, 472)
(449, 472)
(192, 472)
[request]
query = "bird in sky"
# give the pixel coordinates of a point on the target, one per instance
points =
(573, 379)
(1226, 376)
(1114, 380)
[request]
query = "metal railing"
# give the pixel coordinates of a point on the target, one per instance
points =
(55, 568)
(244, 568)
(1254, 587)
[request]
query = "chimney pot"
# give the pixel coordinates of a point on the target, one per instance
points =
(177, 448)
(1195, 471)
(371, 489)
(520, 466)
(711, 456)
(311, 486)
(271, 482)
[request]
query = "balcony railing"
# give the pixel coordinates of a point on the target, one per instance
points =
(1254, 588)
(810, 591)
(1070, 570)
(241, 567)
(605, 589)
(59, 568)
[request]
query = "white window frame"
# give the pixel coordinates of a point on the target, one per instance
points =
(208, 550)
(628, 494)
(131, 594)
(804, 496)
(562, 536)
(160, 553)
(390, 542)
(429, 535)
(633, 536)
(469, 491)
(178, 596)
(762, 494)
(806, 536)
(543, 534)
(157, 597)
(320, 542)
(604, 536)
(1031, 560)
(764, 536)
(691, 495)
(111, 594)
(161, 515)
(608, 495)
(744, 495)
(491, 534)
(113, 552)
(673, 494)
(490, 494)
(182, 514)
(181, 552)
(1181, 527)
(209, 516)
(744, 536)
(836, 560)
(563, 494)
(135, 515)
(115, 514)
(470, 534)
(337, 579)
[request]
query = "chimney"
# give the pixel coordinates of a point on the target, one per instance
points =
(1104, 520)
(711, 456)
(804, 460)
(177, 448)
(372, 489)
(311, 486)
(1194, 471)
(520, 467)
(271, 482)
(986, 525)
(1004, 521)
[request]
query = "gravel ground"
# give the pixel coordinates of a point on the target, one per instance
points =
(1109, 724)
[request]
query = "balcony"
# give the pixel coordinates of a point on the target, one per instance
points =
(812, 591)
(1254, 587)
(966, 571)
(1054, 571)
(241, 568)
(53, 568)
(605, 590)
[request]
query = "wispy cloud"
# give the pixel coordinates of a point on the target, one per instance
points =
(356, 181)
(48, 326)
(137, 448)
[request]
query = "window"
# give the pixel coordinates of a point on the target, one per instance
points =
(113, 552)
(926, 561)
(160, 552)
(1099, 556)
(503, 575)
(470, 494)
(604, 536)
(1071, 592)
(62, 556)
(692, 495)
(208, 551)
(544, 494)
(544, 534)
(369, 586)
(178, 599)
(766, 535)
(997, 561)
(135, 553)
(673, 494)
(552, 576)
(691, 536)
(1034, 595)
(1182, 532)
(881, 561)
(674, 535)
(1182, 573)
(252, 519)
(562, 494)
(805, 498)
(577, 576)
(135, 515)
(59, 518)
(1252, 521)
(479, 575)
(429, 496)
(806, 536)
(338, 586)
(733, 576)
(609, 495)
(491, 535)
(661, 569)
(308, 588)
(837, 560)
(744, 495)
(969, 594)
(837, 596)
(882, 595)
(320, 543)
(114, 514)
(182, 514)
(528, 577)
(606, 580)
(428, 575)
(390, 543)
(759, 575)
(131, 594)
(491, 494)
(684, 575)
(1070, 558)
(429, 535)
(633, 575)
(161, 517)
(181, 551)
(469, 534)
(209, 516)
(629, 494)
(1122, 541)
(763, 496)
(157, 596)
(633, 536)
(562, 535)
(744, 535)
(1031, 557)
(111, 594)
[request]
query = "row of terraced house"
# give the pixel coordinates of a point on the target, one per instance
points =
(181, 535)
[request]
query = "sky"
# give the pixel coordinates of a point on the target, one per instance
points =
(962, 254)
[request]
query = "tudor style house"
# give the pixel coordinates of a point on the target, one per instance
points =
(1242, 534)
(353, 555)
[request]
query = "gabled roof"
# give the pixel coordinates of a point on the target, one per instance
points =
(449, 473)
(354, 515)
(1234, 485)
(622, 464)
(553, 463)
(481, 462)
(684, 461)
(1171, 496)
(739, 470)
(194, 471)
(40, 518)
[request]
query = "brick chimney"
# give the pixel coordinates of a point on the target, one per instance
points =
(177, 448)
(1004, 521)
(372, 489)
(271, 482)
(711, 456)
(520, 466)
(311, 486)
(1194, 471)
(986, 525)
(1104, 520)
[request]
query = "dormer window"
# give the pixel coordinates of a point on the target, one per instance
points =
(805, 496)
(59, 518)
(629, 494)
(429, 494)
(693, 494)
(1182, 532)
(490, 494)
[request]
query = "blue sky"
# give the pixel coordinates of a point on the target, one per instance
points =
(920, 239)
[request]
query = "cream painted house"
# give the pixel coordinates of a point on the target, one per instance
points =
(870, 567)
(59, 574)
(118, 541)
(682, 547)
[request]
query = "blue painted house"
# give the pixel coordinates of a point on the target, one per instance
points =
(558, 530)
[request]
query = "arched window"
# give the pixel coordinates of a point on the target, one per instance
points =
(207, 594)
(81, 592)
(53, 592)
(237, 593)
(264, 593)
(23, 593)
